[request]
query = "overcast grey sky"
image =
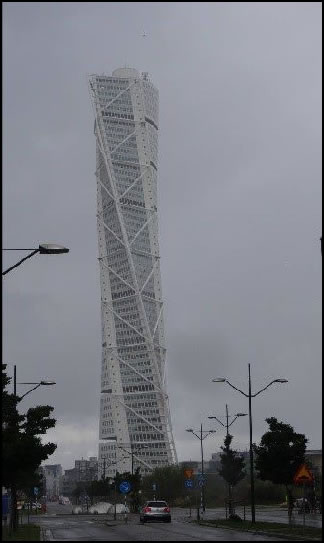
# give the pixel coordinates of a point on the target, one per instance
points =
(239, 206)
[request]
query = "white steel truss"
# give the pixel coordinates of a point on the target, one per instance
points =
(133, 363)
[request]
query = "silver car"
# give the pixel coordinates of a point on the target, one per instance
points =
(155, 510)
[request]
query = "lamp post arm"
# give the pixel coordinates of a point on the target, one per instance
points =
(31, 390)
(262, 389)
(196, 435)
(241, 391)
(21, 261)
(230, 424)
(204, 437)
(125, 450)
(220, 422)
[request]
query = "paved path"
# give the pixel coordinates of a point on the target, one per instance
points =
(266, 513)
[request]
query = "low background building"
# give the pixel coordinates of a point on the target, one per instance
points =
(84, 471)
(314, 458)
(53, 475)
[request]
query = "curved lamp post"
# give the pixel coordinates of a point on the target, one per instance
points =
(201, 436)
(39, 384)
(132, 452)
(43, 249)
(227, 425)
(249, 395)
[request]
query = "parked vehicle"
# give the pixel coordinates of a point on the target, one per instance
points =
(64, 500)
(302, 504)
(155, 510)
(32, 506)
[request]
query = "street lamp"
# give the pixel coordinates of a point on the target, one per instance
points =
(104, 458)
(40, 383)
(43, 249)
(250, 396)
(132, 452)
(115, 488)
(201, 436)
(13, 520)
(227, 425)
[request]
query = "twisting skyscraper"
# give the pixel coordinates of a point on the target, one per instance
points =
(135, 425)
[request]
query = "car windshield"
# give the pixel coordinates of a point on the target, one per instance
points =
(156, 504)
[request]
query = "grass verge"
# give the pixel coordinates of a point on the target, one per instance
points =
(274, 528)
(29, 532)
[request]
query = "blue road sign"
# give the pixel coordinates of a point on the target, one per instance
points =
(124, 487)
(201, 477)
(35, 490)
(189, 483)
(5, 504)
(154, 487)
(201, 482)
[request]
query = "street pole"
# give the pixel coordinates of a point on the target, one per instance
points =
(13, 516)
(229, 484)
(249, 396)
(132, 453)
(115, 508)
(202, 470)
(251, 452)
(230, 510)
(201, 437)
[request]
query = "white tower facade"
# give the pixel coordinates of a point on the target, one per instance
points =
(135, 425)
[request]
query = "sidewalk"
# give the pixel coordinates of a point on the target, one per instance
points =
(266, 514)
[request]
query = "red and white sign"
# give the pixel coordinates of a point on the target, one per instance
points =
(303, 475)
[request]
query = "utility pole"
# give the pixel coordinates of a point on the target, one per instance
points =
(227, 425)
(13, 489)
(251, 453)
(201, 436)
(202, 496)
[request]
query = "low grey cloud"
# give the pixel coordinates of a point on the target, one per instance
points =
(239, 205)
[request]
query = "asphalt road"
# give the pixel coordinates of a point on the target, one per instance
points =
(93, 529)
(263, 513)
(65, 527)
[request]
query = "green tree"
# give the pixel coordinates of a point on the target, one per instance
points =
(99, 488)
(169, 481)
(232, 468)
(280, 453)
(22, 448)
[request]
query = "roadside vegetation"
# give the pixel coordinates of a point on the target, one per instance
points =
(27, 532)
(22, 448)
